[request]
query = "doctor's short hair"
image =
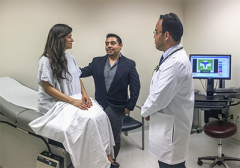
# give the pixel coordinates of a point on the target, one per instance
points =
(173, 25)
(116, 36)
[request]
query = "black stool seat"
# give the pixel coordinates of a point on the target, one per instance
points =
(220, 129)
(129, 124)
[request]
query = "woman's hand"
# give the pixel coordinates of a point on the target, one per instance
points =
(79, 103)
(87, 100)
(85, 97)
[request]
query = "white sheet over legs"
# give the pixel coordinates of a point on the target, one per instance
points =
(85, 134)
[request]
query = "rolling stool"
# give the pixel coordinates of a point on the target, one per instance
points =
(219, 129)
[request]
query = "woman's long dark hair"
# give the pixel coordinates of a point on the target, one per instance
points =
(54, 50)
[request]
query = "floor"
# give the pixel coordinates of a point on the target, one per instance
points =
(131, 155)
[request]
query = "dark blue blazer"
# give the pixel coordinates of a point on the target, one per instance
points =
(117, 96)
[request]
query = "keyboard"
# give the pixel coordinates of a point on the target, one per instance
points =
(214, 102)
(227, 90)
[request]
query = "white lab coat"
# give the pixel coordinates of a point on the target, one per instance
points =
(85, 134)
(170, 107)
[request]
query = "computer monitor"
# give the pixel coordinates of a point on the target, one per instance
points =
(211, 66)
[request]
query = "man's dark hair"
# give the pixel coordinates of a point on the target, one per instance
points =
(116, 36)
(173, 25)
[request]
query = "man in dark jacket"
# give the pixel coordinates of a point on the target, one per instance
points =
(113, 74)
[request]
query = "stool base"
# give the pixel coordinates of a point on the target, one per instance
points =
(217, 160)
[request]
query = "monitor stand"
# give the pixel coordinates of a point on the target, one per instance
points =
(210, 88)
(221, 83)
(210, 97)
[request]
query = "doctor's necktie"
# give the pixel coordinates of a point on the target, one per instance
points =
(157, 67)
(161, 60)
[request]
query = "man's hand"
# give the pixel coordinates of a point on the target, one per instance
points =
(87, 100)
(126, 111)
(147, 118)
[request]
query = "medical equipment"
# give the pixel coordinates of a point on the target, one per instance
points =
(18, 107)
(88, 134)
(48, 160)
(211, 67)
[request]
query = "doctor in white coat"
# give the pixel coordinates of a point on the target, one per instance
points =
(169, 106)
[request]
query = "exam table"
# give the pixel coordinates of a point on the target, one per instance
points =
(18, 104)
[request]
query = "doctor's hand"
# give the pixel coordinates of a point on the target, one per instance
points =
(87, 100)
(147, 118)
(79, 103)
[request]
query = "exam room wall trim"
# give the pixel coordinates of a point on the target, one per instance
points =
(26, 25)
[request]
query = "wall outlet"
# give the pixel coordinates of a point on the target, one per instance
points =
(235, 117)
(238, 117)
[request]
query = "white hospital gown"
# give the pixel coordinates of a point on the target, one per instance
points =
(68, 87)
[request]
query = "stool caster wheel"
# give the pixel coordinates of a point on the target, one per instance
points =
(199, 130)
(219, 163)
(200, 163)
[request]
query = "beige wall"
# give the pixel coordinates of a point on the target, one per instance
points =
(26, 23)
(212, 27)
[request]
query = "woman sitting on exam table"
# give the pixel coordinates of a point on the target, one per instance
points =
(58, 74)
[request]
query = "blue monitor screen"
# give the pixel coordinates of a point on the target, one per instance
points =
(211, 66)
